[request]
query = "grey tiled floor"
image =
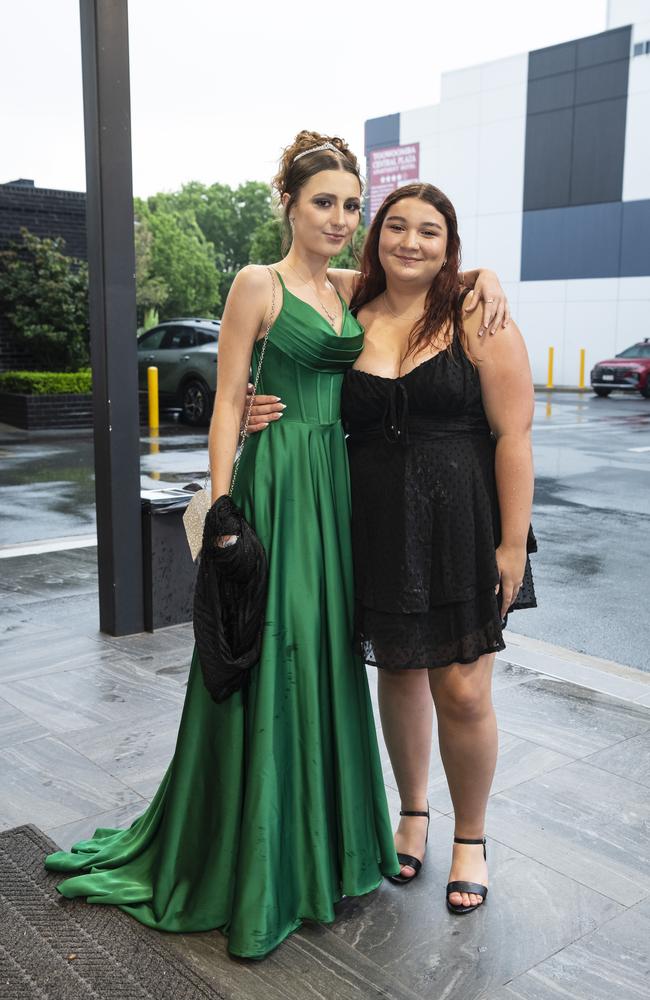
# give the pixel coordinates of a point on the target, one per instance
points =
(88, 725)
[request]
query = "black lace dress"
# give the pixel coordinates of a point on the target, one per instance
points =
(425, 516)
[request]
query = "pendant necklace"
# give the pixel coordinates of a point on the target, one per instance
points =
(331, 317)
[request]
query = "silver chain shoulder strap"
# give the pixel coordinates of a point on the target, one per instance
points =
(244, 431)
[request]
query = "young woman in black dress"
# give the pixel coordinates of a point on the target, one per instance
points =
(439, 423)
(441, 473)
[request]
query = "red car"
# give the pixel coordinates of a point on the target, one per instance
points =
(629, 370)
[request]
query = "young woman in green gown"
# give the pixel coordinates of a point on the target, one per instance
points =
(273, 807)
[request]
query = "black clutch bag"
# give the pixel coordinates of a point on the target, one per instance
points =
(229, 600)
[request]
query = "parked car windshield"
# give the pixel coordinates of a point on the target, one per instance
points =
(638, 351)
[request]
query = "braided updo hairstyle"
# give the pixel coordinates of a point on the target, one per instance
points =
(292, 174)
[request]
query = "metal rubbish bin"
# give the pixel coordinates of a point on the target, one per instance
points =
(168, 571)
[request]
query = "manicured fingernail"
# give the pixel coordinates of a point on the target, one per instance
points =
(278, 415)
(277, 398)
(284, 406)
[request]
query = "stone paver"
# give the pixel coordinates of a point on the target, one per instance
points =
(88, 724)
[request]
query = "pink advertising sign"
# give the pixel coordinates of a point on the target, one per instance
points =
(389, 168)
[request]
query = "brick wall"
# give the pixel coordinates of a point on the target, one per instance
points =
(44, 212)
(34, 412)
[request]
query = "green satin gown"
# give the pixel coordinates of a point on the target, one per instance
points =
(273, 806)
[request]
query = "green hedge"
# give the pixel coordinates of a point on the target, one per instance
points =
(46, 383)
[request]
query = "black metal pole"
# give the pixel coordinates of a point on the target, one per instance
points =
(111, 260)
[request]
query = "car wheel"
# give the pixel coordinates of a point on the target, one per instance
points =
(646, 388)
(601, 392)
(195, 403)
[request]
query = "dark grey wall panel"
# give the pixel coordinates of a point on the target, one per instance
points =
(382, 132)
(544, 245)
(594, 240)
(579, 242)
(577, 99)
(549, 140)
(598, 83)
(551, 92)
(635, 241)
(598, 152)
(604, 47)
(554, 59)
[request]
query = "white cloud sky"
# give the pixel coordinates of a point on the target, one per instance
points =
(219, 88)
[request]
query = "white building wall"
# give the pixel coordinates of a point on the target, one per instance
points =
(622, 12)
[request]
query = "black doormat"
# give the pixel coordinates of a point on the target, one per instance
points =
(53, 948)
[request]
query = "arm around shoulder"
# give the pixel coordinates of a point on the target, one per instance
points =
(344, 281)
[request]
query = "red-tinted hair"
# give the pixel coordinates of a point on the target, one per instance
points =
(442, 309)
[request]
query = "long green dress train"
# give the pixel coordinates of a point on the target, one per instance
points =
(273, 806)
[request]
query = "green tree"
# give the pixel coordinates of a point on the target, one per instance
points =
(266, 244)
(227, 217)
(252, 202)
(44, 298)
(151, 292)
(181, 257)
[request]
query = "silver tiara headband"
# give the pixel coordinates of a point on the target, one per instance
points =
(317, 149)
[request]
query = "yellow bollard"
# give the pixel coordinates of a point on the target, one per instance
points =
(549, 384)
(581, 383)
(152, 385)
(154, 449)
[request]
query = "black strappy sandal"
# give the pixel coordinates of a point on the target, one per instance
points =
(408, 859)
(475, 887)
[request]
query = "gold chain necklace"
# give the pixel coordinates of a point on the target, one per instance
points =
(396, 315)
(331, 317)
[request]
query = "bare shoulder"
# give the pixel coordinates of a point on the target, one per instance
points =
(344, 280)
(253, 278)
(507, 344)
(252, 288)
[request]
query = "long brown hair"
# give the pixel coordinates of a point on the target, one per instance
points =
(442, 306)
(293, 174)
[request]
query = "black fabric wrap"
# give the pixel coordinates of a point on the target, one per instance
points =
(229, 600)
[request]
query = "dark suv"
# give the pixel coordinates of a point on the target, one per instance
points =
(185, 353)
(629, 370)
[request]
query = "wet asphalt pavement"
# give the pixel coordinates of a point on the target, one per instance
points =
(591, 516)
(591, 513)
